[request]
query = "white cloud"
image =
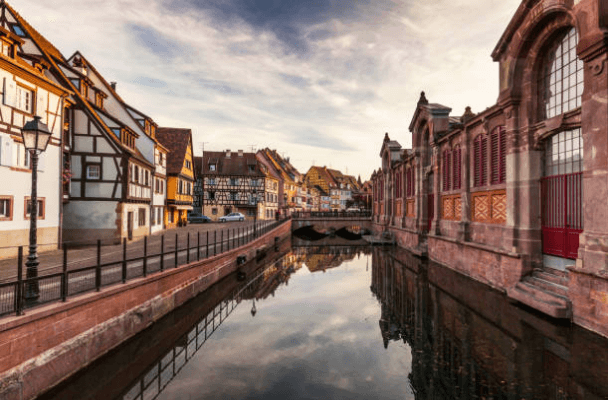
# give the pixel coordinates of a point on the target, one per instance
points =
(235, 84)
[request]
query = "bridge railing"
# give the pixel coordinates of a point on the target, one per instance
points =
(27, 292)
(354, 215)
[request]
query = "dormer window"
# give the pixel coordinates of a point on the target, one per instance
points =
(211, 167)
(7, 48)
(18, 30)
(99, 96)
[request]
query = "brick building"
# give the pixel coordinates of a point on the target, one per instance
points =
(515, 196)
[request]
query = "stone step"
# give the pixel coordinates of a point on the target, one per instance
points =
(542, 300)
(547, 285)
(551, 275)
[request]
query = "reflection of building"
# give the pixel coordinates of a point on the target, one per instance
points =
(470, 342)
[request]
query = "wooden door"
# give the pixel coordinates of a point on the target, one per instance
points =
(130, 225)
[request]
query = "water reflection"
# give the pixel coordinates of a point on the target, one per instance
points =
(469, 342)
(305, 325)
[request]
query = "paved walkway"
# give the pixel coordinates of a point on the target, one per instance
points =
(52, 261)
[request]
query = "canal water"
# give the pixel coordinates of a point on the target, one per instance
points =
(346, 322)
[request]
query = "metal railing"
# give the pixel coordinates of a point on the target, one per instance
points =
(332, 214)
(69, 282)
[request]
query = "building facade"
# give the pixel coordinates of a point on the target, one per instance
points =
(513, 196)
(180, 175)
(231, 182)
(28, 90)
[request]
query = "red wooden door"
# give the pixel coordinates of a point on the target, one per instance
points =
(562, 214)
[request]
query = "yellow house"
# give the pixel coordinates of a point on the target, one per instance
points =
(180, 174)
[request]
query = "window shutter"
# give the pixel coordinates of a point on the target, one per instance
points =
(484, 160)
(457, 168)
(477, 161)
(494, 157)
(503, 155)
(10, 92)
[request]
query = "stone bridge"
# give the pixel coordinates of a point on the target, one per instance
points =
(329, 222)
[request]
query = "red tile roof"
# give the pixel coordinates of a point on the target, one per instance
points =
(233, 165)
(177, 141)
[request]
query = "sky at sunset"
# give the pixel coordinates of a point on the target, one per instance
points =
(320, 81)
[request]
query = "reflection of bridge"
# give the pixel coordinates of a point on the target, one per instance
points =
(329, 222)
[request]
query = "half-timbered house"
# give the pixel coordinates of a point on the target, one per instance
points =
(108, 156)
(28, 90)
(180, 174)
(232, 182)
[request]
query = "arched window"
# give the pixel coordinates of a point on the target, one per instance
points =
(561, 79)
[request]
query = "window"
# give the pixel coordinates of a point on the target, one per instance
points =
(561, 80)
(28, 206)
(94, 171)
(6, 208)
(447, 167)
(480, 149)
(188, 164)
(159, 215)
(170, 216)
(211, 167)
(152, 216)
(214, 211)
(25, 99)
(456, 171)
(99, 99)
(18, 30)
(141, 218)
(211, 195)
(7, 48)
(498, 141)
(147, 178)
(564, 153)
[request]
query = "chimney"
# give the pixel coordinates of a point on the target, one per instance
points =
(228, 153)
(240, 153)
(113, 85)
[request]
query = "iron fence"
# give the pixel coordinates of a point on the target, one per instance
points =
(24, 293)
(332, 214)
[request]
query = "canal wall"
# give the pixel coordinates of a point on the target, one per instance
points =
(44, 347)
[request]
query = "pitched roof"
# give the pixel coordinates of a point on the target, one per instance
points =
(234, 165)
(40, 40)
(177, 141)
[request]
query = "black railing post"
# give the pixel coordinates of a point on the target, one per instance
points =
(176, 247)
(19, 291)
(198, 246)
(207, 248)
(215, 242)
(64, 275)
(98, 267)
(162, 252)
(124, 260)
(145, 256)
(221, 241)
(188, 248)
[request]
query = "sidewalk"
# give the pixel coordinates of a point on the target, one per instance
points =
(52, 261)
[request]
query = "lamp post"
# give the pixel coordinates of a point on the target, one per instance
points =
(36, 136)
(255, 215)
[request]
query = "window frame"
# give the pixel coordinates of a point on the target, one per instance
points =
(11, 206)
(41, 208)
(88, 176)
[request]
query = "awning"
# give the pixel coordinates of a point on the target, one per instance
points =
(183, 207)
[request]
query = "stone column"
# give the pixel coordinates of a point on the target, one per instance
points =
(435, 190)
(592, 49)
(464, 226)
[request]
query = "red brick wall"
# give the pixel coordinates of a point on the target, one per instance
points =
(51, 342)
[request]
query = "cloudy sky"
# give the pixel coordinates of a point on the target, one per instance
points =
(320, 81)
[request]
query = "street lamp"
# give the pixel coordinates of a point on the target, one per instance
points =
(36, 136)
(255, 215)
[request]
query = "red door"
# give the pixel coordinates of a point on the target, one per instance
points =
(562, 214)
